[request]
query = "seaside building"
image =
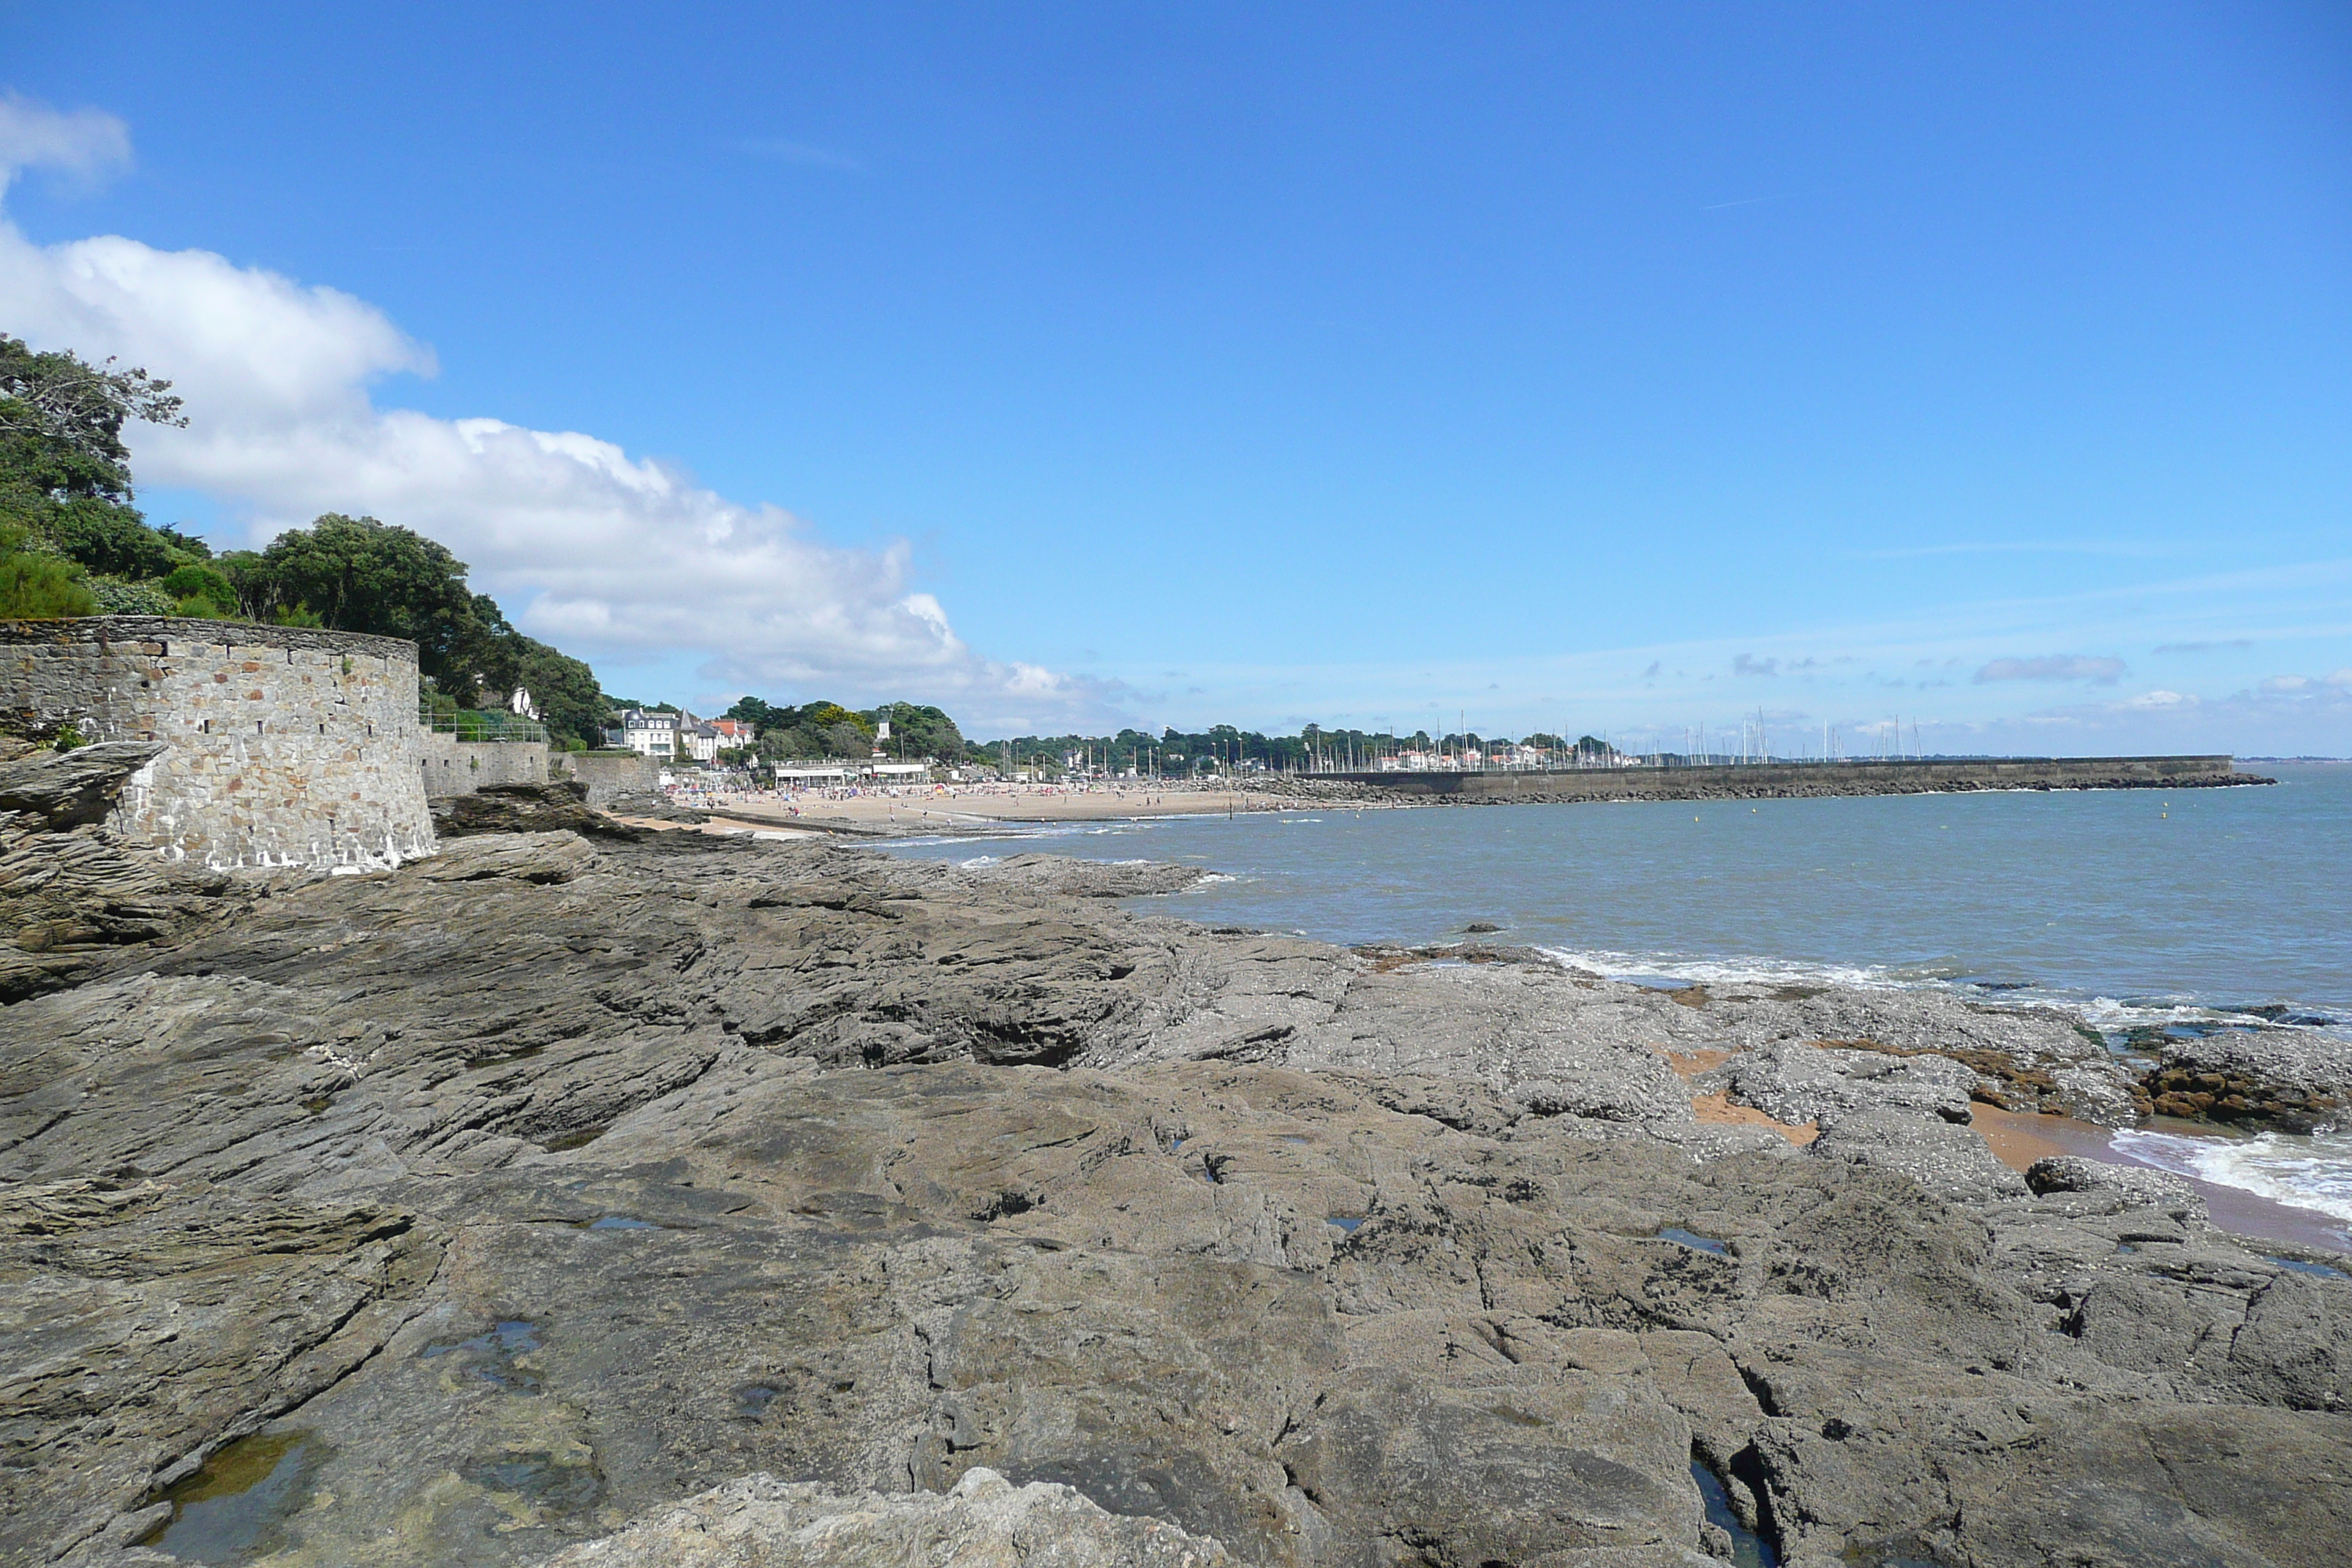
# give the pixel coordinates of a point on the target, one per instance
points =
(649, 734)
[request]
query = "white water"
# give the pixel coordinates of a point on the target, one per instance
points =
(2312, 1173)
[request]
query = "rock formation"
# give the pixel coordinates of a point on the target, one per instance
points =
(669, 1199)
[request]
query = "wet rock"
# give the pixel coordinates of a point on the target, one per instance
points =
(2292, 1081)
(146, 1326)
(1085, 878)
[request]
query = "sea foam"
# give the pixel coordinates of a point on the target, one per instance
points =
(2304, 1173)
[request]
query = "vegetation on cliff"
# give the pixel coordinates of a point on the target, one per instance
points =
(72, 543)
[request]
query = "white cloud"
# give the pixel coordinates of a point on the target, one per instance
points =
(2284, 683)
(594, 551)
(2341, 677)
(2053, 667)
(2148, 699)
(35, 136)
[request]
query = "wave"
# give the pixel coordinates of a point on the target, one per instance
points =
(1738, 970)
(2113, 1017)
(2305, 1172)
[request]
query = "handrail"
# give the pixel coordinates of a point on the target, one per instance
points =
(474, 725)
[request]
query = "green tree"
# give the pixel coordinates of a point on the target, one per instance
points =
(496, 659)
(761, 716)
(357, 574)
(109, 537)
(65, 475)
(833, 715)
(61, 420)
(920, 731)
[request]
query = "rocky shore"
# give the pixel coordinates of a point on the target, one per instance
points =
(598, 1195)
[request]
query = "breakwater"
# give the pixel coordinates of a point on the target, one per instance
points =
(1781, 781)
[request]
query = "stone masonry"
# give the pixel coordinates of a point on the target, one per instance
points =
(608, 777)
(288, 746)
(453, 766)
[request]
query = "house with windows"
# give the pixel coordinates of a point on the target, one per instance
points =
(651, 734)
(678, 738)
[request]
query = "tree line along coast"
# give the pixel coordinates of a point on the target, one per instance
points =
(74, 542)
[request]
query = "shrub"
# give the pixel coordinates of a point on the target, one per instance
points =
(116, 597)
(196, 581)
(42, 588)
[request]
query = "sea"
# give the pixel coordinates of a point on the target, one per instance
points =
(2182, 913)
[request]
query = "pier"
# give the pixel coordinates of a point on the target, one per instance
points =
(1795, 780)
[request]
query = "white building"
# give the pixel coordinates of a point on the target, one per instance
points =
(678, 738)
(811, 776)
(651, 734)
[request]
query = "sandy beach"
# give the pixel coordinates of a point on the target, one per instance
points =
(909, 811)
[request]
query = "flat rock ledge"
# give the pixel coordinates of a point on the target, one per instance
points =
(480, 1211)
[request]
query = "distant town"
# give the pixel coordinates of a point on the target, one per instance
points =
(824, 743)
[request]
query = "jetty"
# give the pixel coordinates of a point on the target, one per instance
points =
(1778, 780)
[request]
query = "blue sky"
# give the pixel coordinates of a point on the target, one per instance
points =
(1622, 368)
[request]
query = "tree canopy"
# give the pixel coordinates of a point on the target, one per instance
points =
(361, 575)
(357, 574)
(61, 422)
(824, 728)
(65, 483)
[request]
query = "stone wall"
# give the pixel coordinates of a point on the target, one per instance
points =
(608, 776)
(453, 766)
(287, 745)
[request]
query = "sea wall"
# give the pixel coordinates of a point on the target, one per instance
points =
(287, 745)
(607, 777)
(453, 766)
(1784, 780)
